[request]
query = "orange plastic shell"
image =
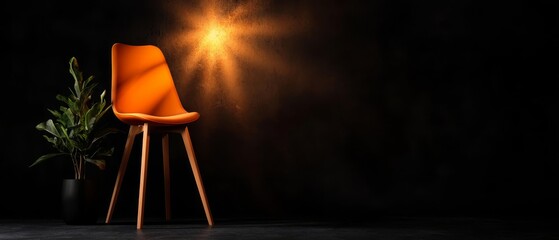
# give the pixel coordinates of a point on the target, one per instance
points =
(143, 90)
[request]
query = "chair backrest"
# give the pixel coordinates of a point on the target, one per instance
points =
(142, 82)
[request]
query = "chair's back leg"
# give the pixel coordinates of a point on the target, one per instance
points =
(166, 175)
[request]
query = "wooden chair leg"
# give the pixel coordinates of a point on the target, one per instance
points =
(194, 165)
(167, 177)
(143, 176)
(134, 130)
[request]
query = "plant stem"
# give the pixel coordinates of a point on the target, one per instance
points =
(75, 164)
(80, 167)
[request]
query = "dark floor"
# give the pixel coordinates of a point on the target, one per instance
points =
(390, 228)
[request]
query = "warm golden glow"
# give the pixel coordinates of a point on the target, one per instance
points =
(222, 39)
(214, 40)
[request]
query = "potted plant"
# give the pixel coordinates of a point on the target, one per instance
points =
(75, 135)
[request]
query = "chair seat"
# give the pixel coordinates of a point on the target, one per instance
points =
(141, 118)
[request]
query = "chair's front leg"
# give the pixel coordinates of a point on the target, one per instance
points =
(134, 130)
(143, 176)
(196, 172)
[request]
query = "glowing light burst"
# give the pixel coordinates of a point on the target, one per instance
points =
(214, 40)
(220, 36)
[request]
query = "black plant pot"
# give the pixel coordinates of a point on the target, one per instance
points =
(79, 201)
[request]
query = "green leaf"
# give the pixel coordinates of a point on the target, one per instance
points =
(100, 163)
(45, 157)
(49, 127)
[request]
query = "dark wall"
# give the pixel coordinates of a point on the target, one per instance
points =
(343, 109)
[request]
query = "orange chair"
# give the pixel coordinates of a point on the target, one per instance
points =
(144, 96)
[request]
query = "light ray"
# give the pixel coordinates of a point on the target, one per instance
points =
(220, 36)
